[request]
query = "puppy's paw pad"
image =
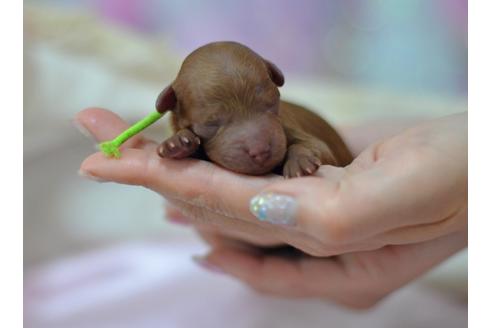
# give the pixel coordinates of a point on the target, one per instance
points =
(302, 165)
(180, 145)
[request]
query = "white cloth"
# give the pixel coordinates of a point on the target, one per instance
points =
(154, 284)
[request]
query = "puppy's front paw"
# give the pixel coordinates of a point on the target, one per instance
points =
(182, 144)
(301, 165)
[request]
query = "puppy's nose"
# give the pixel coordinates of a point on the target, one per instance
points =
(260, 154)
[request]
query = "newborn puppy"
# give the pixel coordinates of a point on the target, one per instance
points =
(225, 103)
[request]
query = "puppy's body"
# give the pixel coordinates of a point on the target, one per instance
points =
(225, 100)
(302, 125)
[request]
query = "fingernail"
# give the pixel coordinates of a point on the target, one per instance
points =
(82, 129)
(202, 261)
(89, 176)
(178, 220)
(274, 208)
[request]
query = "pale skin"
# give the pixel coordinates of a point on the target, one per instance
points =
(398, 210)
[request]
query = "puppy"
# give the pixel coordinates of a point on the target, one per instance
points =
(225, 104)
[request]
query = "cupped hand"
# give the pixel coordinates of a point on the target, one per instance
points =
(213, 198)
(356, 280)
(405, 189)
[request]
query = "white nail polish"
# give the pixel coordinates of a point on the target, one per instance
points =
(274, 208)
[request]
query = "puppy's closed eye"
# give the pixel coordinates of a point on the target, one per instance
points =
(208, 129)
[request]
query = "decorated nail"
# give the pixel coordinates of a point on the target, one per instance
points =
(274, 208)
(202, 261)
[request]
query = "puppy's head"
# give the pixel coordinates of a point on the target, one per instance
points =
(228, 96)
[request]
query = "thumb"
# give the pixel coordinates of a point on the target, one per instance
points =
(338, 205)
(310, 204)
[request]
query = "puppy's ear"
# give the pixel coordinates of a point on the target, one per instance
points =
(275, 73)
(166, 100)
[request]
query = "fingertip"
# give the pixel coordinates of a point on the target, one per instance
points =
(171, 210)
(101, 123)
(90, 116)
(131, 168)
(238, 262)
(91, 111)
(92, 163)
(174, 215)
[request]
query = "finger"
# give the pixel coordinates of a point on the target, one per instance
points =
(181, 179)
(174, 215)
(387, 269)
(308, 204)
(104, 125)
(266, 274)
(232, 228)
(205, 185)
(305, 277)
(365, 277)
(135, 167)
(184, 186)
(333, 209)
(358, 202)
(218, 240)
(212, 238)
(265, 235)
(356, 280)
(195, 182)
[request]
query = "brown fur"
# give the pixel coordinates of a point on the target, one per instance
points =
(225, 102)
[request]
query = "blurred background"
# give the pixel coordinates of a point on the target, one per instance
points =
(92, 259)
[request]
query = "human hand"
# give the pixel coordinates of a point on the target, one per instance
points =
(185, 183)
(405, 189)
(409, 191)
(356, 280)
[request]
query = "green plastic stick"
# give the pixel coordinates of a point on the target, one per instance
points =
(111, 148)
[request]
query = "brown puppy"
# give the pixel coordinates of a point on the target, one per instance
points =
(226, 99)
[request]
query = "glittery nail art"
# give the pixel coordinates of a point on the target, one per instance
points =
(274, 208)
